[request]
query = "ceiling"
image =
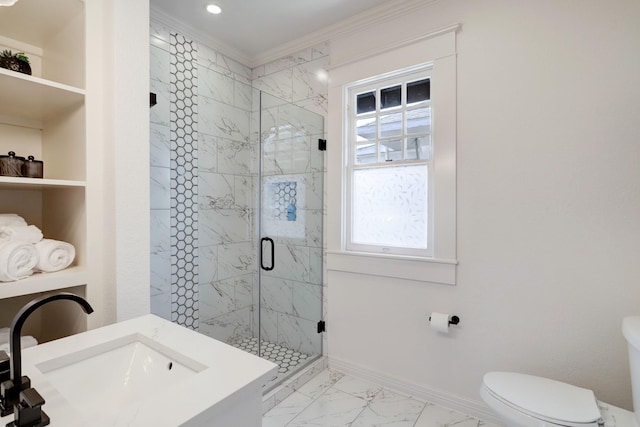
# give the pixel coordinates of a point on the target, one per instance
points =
(253, 27)
(44, 19)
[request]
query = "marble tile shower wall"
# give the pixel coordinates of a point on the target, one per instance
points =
(300, 78)
(160, 171)
(225, 157)
(227, 244)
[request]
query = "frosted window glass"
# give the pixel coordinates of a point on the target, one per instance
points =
(390, 206)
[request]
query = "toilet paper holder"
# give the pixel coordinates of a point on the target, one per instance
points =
(453, 320)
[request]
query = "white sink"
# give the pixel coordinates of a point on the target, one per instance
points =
(123, 372)
(146, 372)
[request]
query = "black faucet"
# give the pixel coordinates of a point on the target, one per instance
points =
(16, 392)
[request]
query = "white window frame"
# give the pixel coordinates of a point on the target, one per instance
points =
(375, 84)
(438, 49)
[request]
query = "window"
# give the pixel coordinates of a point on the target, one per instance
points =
(389, 164)
(391, 199)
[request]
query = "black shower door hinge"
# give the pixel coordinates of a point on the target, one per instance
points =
(322, 144)
(153, 99)
(322, 327)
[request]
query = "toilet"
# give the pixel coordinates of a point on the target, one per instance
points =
(521, 400)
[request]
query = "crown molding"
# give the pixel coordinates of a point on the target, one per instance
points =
(373, 16)
(369, 17)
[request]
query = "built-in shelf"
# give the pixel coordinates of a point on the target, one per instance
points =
(35, 99)
(44, 282)
(13, 183)
(45, 115)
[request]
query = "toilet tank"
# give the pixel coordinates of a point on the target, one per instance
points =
(631, 331)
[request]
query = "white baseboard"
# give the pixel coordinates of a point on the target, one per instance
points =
(457, 403)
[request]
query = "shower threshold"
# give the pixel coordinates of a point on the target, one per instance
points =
(289, 361)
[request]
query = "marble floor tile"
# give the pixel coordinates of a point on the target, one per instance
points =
(390, 409)
(321, 383)
(333, 399)
(333, 408)
(286, 410)
(437, 416)
(357, 387)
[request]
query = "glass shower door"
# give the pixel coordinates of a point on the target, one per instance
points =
(290, 231)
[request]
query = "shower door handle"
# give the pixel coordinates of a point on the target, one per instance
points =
(273, 253)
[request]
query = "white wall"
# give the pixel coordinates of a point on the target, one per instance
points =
(117, 74)
(131, 154)
(548, 205)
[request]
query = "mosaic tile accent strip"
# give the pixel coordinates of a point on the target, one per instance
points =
(285, 200)
(184, 182)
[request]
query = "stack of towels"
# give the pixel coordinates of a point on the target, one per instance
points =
(25, 342)
(23, 250)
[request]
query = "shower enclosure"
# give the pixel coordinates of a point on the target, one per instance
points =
(260, 234)
(236, 206)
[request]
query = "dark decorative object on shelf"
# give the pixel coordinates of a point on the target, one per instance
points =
(15, 62)
(33, 168)
(11, 165)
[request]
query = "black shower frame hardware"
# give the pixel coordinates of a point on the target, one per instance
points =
(453, 320)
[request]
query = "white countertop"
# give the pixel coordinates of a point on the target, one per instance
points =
(223, 370)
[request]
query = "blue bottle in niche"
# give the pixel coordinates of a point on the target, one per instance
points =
(291, 212)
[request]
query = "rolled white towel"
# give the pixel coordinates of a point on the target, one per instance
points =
(22, 233)
(25, 342)
(11, 219)
(54, 255)
(17, 260)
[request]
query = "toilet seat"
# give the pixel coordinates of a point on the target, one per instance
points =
(544, 399)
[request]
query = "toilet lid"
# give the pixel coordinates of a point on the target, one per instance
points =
(546, 398)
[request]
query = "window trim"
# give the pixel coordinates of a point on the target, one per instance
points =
(434, 270)
(439, 48)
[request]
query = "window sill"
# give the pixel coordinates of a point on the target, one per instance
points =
(399, 267)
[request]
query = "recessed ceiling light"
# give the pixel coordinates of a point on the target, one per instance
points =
(322, 76)
(214, 9)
